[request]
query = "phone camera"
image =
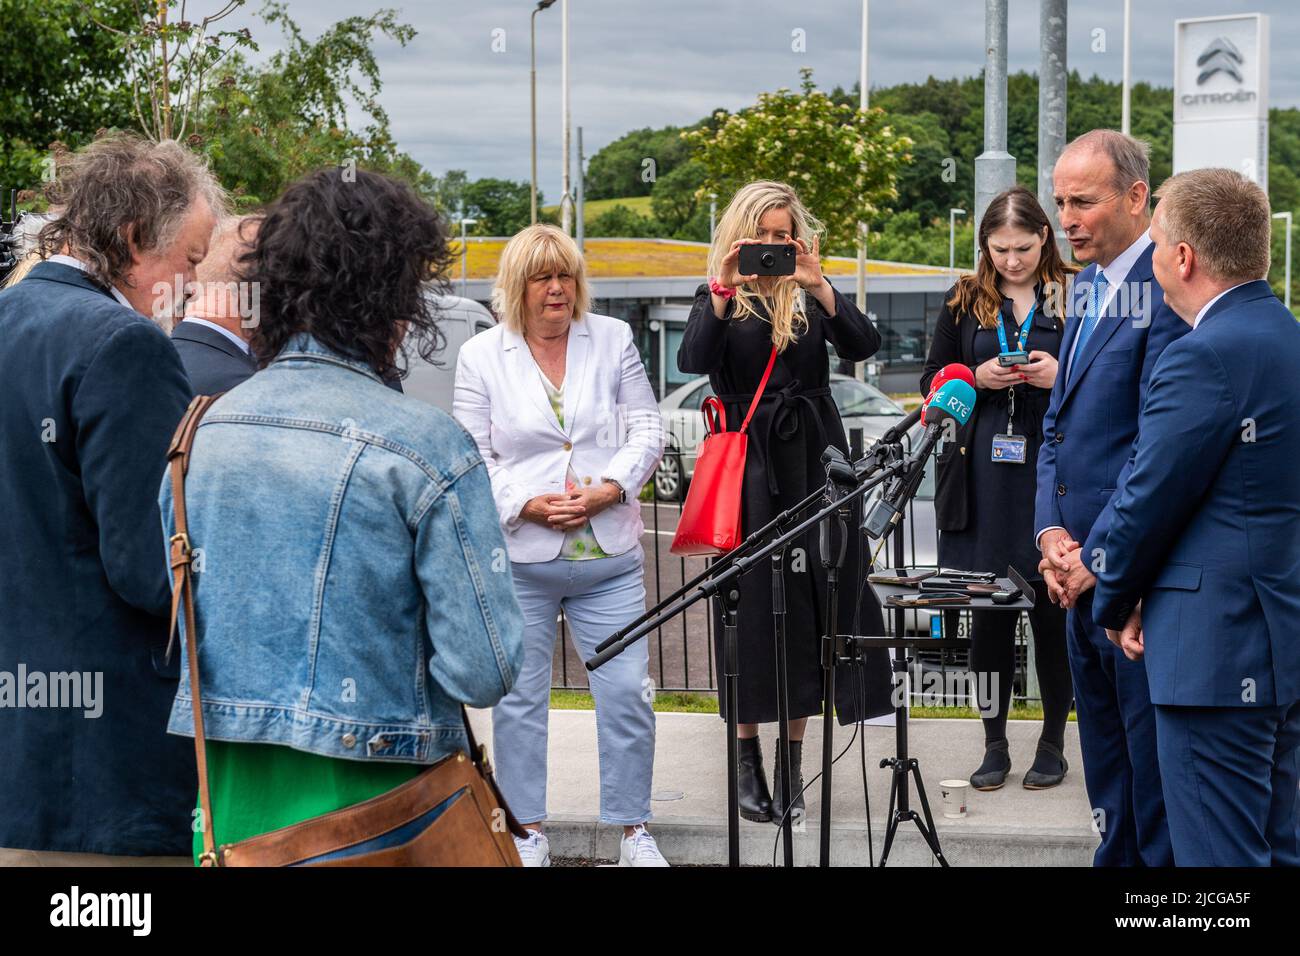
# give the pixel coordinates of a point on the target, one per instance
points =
(768, 260)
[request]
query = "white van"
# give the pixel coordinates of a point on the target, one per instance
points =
(460, 320)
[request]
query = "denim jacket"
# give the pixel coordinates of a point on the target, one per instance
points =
(352, 585)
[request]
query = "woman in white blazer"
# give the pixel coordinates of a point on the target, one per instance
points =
(558, 402)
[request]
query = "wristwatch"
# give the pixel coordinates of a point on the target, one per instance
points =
(622, 492)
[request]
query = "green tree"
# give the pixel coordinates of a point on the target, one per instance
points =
(843, 161)
(269, 124)
(61, 80)
(621, 222)
(633, 163)
(500, 206)
(676, 196)
(169, 60)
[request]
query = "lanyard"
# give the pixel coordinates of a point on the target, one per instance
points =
(1023, 335)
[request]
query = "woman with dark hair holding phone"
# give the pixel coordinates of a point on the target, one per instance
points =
(734, 324)
(1005, 323)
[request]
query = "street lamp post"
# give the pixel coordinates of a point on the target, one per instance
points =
(464, 255)
(532, 82)
(952, 240)
(1286, 217)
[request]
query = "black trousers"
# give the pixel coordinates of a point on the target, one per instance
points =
(993, 662)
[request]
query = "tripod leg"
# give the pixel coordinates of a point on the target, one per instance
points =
(891, 821)
(928, 830)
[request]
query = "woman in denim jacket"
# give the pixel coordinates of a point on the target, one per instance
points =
(352, 586)
(558, 402)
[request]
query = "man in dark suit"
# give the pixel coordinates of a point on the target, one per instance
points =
(1116, 327)
(90, 393)
(1202, 569)
(212, 341)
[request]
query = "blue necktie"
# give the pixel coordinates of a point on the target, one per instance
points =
(1091, 315)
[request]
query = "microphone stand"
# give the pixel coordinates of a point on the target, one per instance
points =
(883, 453)
(720, 579)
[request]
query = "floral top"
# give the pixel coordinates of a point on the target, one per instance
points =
(579, 545)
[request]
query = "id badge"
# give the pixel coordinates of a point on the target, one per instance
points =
(1009, 449)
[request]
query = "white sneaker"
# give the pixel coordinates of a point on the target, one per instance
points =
(640, 849)
(534, 851)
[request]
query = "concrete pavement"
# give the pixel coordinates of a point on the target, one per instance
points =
(1008, 827)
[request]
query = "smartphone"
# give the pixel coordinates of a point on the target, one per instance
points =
(1007, 359)
(908, 577)
(767, 259)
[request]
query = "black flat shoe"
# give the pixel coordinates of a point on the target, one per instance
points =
(796, 784)
(1049, 767)
(992, 773)
(755, 798)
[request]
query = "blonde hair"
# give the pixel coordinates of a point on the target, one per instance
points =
(1224, 217)
(534, 250)
(20, 270)
(785, 305)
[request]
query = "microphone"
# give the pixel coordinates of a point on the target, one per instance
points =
(953, 401)
(953, 372)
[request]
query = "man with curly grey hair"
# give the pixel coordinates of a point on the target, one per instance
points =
(90, 392)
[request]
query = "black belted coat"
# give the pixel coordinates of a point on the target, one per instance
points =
(792, 426)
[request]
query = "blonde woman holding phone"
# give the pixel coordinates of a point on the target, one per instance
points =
(734, 325)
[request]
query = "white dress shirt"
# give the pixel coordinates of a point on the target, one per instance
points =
(1206, 308)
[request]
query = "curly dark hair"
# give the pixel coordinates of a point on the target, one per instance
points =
(351, 259)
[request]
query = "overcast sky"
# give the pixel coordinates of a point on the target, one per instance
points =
(455, 103)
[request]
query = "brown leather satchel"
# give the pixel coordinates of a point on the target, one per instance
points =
(452, 814)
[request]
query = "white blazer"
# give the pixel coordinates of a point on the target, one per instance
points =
(612, 428)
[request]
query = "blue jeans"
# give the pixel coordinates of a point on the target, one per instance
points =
(599, 596)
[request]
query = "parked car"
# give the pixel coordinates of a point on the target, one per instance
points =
(861, 406)
(460, 320)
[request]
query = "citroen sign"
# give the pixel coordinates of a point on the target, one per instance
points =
(1221, 94)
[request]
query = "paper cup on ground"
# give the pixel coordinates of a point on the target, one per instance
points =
(954, 797)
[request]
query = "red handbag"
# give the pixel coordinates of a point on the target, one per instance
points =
(710, 522)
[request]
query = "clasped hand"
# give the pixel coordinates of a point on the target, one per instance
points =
(571, 510)
(1063, 570)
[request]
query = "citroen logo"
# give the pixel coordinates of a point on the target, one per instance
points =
(1221, 56)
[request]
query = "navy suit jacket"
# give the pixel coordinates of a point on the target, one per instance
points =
(90, 393)
(1206, 529)
(212, 362)
(1092, 419)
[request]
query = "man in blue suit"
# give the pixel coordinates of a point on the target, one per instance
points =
(91, 391)
(1117, 324)
(1202, 570)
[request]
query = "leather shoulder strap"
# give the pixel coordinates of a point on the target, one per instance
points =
(178, 461)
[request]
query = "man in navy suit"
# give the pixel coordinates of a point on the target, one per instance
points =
(1202, 569)
(212, 341)
(1116, 327)
(91, 391)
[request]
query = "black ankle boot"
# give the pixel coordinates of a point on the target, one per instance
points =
(992, 773)
(755, 798)
(796, 783)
